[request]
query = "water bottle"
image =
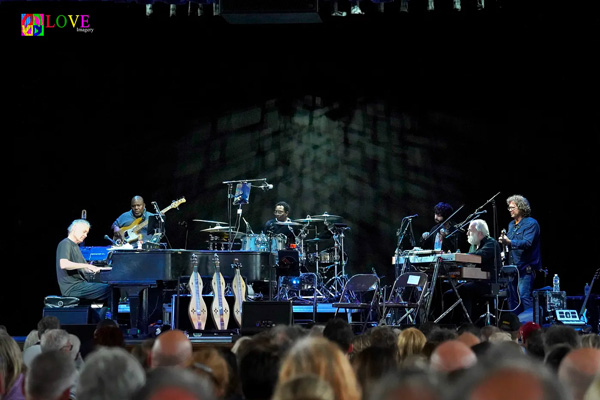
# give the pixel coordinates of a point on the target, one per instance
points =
(108, 314)
(586, 289)
(556, 283)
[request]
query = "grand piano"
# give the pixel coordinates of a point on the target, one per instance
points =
(135, 271)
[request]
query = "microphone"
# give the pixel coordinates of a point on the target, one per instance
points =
(412, 216)
(266, 186)
(110, 240)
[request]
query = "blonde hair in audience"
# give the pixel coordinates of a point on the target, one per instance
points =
(411, 342)
(320, 356)
(304, 387)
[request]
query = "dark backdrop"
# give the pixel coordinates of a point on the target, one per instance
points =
(371, 118)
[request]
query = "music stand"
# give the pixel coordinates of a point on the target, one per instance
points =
(242, 193)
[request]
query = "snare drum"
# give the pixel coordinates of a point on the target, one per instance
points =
(255, 242)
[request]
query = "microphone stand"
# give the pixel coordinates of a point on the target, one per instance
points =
(159, 217)
(406, 223)
(474, 215)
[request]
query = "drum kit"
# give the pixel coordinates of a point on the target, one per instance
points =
(328, 265)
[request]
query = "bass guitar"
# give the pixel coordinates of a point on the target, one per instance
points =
(582, 313)
(220, 308)
(197, 308)
(130, 233)
(239, 290)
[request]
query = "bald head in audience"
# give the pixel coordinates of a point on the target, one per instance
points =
(171, 348)
(451, 356)
(578, 369)
(515, 377)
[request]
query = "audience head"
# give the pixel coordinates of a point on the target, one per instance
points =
(171, 348)
(50, 376)
(554, 355)
(55, 339)
(339, 331)
(109, 336)
(167, 383)
(319, 356)
(384, 336)
(561, 334)
(12, 359)
(514, 378)
(590, 340)
(110, 373)
(578, 369)
(32, 338)
(258, 368)
(304, 387)
(468, 338)
(451, 356)
(407, 384)
(47, 322)
(509, 322)
(372, 364)
(209, 362)
(487, 331)
(526, 329)
(410, 342)
(75, 345)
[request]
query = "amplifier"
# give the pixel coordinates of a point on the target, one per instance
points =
(545, 302)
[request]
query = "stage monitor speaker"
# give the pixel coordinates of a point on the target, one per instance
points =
(544, 304)
(78, 315)
(258, 316)
(270, 11)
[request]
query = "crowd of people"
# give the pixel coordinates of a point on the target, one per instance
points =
(327, 361)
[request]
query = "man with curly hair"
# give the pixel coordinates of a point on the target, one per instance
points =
(523, 242)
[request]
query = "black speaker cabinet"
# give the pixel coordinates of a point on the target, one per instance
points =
(258, 316)
(544, 304)
(77, 315)
(270, 11)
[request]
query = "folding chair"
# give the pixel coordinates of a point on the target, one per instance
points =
(360, 293)
(408, 293)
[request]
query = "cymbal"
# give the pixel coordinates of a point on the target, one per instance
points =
(216, 229)
(208, 221)
(311, 219)
(326, 216)
(287, 223)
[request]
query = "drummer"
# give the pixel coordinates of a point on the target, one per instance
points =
(277, 225)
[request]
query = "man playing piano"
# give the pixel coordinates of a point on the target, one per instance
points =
(71, 267)
(485, 246)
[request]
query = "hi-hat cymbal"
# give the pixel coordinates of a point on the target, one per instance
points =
(209, 221)
(287, 223)
(216, 229)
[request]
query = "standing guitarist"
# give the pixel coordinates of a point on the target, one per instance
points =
(124, 225)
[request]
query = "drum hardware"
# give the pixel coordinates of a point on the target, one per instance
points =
(339, 263)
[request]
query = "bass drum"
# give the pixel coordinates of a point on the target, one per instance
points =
(255, 242)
